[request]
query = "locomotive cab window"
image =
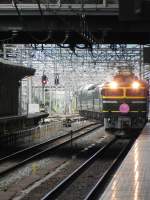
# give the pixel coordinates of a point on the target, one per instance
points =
(110, 92)
(133, 92)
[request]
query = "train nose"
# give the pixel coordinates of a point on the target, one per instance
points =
(124, 108)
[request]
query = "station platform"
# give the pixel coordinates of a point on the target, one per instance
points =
(132, 179)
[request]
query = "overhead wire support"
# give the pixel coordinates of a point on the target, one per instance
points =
(59, 3)
(82, 4)
(16, 7)
(39, 6)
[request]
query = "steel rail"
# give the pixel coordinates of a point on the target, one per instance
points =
(54, 193)
(99, 186)
(19, 164)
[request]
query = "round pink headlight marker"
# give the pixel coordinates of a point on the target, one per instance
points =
(124, 108)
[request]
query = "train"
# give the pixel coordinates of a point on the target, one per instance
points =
(120, 104)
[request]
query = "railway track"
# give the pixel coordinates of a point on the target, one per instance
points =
(77, 185)
(18, 159)
(100, 185)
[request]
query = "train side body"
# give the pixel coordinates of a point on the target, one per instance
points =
(90, 102)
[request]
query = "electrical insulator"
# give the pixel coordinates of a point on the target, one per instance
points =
(57, 79)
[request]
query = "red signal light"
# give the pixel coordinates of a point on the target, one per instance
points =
(44, 79)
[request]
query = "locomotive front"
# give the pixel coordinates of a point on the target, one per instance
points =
(125, 102)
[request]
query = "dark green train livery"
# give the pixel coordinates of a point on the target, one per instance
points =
(119, 104)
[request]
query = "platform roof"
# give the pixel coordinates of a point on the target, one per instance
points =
(16, 71)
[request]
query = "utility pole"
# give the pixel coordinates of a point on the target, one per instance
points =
(140, 62)
(44, 82)
(50, 99)
(29, 82)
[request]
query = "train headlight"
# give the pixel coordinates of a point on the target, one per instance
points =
(135, 85)
(113, 85)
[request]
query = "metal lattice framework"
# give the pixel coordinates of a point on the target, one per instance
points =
(75, 67)
(61, 59)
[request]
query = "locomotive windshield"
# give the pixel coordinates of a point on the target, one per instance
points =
(135, 93)
(110, 92)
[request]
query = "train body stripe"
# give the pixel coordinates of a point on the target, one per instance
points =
(123, 87)
(138, 102)
(120, 112)
(110, 101)
(123, 97)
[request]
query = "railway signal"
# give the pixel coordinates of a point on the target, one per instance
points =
(44, 80)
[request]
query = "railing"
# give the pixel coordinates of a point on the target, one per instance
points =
(40, 133)
(62, 2)
(54, 4)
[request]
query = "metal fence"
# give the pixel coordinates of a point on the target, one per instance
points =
(40, 133)
(61, 2)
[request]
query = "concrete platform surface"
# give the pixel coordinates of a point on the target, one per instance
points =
(132, 179)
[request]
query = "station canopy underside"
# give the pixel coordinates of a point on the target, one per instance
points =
(73, 22)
